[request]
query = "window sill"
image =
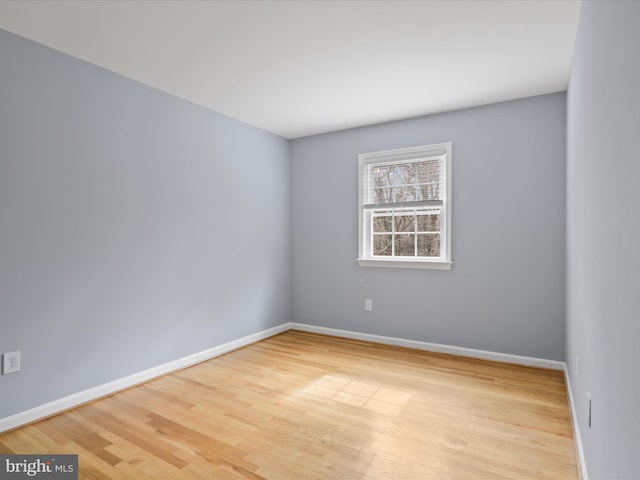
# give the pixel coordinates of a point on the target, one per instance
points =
(398, 263)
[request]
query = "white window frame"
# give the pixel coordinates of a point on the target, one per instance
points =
(365, 229)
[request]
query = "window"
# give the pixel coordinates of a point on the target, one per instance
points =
(405, 207)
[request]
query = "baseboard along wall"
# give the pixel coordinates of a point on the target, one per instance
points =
(433, 347)
(576, 429)
(66, 403)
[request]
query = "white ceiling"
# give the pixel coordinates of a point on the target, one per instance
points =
(298, 68)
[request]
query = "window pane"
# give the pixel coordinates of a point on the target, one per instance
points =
(382, 245)
(406, 182)
(405, 245)
(382, 223)
(429, 223)
(405, 223)
(428, 245)
(428, 175)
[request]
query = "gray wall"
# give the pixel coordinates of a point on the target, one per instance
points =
(135, 228)
(506, 290)
(603, 236)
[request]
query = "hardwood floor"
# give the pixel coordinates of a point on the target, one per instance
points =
(307, 406)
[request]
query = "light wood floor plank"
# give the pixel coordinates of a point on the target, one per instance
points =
(314, 407)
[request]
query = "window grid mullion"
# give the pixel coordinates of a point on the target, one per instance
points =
(394, 232)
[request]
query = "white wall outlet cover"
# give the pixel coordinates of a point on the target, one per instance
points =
(11, 362)
(368, 305)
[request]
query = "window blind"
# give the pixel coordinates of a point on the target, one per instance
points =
(405, 184)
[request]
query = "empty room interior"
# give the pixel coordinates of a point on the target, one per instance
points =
(320, 239)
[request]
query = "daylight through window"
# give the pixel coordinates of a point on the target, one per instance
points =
(405, 207)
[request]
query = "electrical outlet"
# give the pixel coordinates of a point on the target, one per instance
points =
(11, 362)
(368, 305)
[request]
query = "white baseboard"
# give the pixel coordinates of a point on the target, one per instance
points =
(582, 466)
(76, 399)
(65, 403)
(433, 347)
